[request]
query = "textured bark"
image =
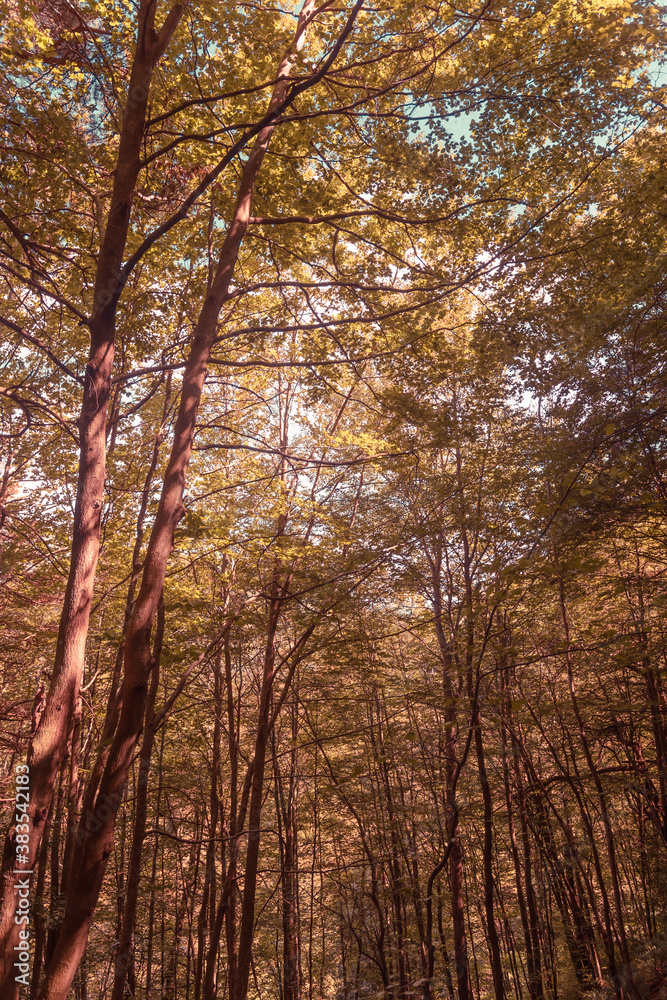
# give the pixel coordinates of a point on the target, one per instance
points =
(113, 703)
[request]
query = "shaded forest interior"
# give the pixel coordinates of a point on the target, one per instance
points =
(333, 483)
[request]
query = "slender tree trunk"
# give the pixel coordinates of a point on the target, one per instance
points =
(124, 965)
(392, 852)
(238, 986)
(225, 913)
(445, 951)
(494, 944)
(575, 919)
(522, 866)
(171, 981)
(151, 902)
(463, 981)
(55, 883)
(627, 975)
(656, 698)
(287, 808)
(207, 903)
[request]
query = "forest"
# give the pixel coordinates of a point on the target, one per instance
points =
(333, 496)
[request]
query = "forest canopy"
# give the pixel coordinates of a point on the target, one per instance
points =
(333, 482)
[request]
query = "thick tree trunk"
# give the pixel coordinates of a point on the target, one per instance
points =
(494, 944)
(50, 741)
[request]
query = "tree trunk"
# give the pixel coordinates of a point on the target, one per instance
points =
(208, 896)
(522, 867)
(463, 981)
(49, 743)
(238, 985)
(124, 964)
(287, 808)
